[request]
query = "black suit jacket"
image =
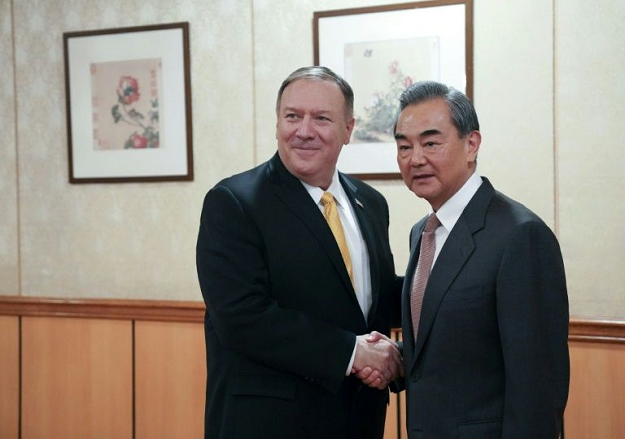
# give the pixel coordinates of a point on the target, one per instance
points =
(491, 359)
(282, 316)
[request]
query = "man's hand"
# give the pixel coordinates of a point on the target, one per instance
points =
(377, 361)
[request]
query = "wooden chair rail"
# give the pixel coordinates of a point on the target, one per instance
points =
(599, 331)
(118, 309)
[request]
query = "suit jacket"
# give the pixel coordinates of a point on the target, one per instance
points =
(282, 315)
(491, 359)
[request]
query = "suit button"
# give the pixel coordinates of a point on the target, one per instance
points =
(416, 377)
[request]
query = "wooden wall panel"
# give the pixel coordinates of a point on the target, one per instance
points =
(9, 377)
(76, 378)
(403, 434)
(596, 407)
(395, 427)
(77, 371)
(392, 423)
(170, 380)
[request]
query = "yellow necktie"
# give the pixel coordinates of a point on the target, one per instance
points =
(332, 217)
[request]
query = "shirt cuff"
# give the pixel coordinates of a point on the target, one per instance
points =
(348, 372)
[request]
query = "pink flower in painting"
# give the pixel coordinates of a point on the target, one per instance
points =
(143, 119)
(392, 68)
(139, 141)
(407, 81)
(128, 90)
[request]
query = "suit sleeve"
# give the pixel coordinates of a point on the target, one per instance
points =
(532, 307)
(236, 287)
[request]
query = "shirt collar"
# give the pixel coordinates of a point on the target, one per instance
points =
(449, 213)
(335, 188)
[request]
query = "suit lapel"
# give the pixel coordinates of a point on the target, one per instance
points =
(455, 252)
(364, 221)
(294, 196)
(457, 249)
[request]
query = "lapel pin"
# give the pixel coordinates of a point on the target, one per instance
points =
(359, 203)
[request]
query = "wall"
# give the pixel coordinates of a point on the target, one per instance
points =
(9, 229)
(590, 60)
(546, 87)
(123, 240)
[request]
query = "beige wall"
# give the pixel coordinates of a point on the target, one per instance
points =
(9, 230)
(590, 121)
(547, 86)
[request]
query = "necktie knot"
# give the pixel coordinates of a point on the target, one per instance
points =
(432, 223)
(327, 198)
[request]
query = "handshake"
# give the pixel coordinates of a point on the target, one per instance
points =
(378, 360)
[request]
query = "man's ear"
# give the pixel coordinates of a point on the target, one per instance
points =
(348, 133)
(474, 139)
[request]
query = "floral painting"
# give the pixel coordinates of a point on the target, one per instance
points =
(379, 72)
(125, 104)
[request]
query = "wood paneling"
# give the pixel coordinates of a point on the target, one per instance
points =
(392, 423)
(77, 371)
(76, 378)
(9, 377)
(596, 407)
(395, 427)
(170, 380)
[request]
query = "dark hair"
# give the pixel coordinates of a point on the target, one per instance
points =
(320, 73)
(463, 115)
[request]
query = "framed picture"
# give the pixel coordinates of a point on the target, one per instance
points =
(128, 93)
(380, 51)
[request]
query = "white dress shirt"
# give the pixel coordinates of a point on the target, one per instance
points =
(449, 213)
(355, 242)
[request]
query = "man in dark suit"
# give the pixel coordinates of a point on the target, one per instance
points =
(490, 359)
(288, 304)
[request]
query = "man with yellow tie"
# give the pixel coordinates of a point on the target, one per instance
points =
(295, 268)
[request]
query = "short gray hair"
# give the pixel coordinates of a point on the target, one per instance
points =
(463, 115)
(320, 73)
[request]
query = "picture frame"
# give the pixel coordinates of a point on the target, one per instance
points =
(128, 98)
(380, 50)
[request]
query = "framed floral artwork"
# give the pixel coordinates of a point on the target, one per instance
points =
(380, 51)
(128, 93)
